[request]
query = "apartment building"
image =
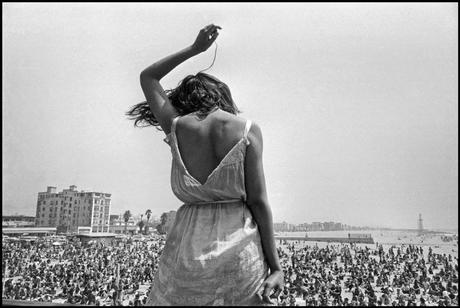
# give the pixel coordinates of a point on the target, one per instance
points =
(69, 209)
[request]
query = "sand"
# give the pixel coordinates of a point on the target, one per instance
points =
(388, 238)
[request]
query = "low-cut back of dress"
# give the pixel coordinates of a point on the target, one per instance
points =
(213, 253)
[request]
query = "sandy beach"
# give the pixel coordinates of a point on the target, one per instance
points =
(389, 238)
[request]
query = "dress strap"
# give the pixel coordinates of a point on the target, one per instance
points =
(246, 131)
(173, 130)
(173, 124)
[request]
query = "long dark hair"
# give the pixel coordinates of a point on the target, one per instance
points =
(200, 93)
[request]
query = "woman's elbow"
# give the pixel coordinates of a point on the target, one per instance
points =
(143, 75)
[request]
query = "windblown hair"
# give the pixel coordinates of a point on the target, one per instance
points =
(200, 93)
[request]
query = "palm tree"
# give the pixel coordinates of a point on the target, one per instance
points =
(141, 224)
(126, 217)
(162, 226)
(148, 213)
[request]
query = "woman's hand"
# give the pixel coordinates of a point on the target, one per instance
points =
(206, 37)
(273, 282)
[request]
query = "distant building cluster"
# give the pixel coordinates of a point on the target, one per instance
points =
(70, 209)
(314, 226)
(17, 221)
(73, 211)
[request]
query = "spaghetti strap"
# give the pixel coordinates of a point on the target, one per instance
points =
(173, 124)
(173, 130)
(246, 131)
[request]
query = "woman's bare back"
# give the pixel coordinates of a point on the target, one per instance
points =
(204, 143)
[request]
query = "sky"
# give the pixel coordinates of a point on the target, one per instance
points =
(358, 104)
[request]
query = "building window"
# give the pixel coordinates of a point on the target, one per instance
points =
(44, 202)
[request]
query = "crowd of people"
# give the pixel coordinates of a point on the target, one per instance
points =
(97, 274)
(356, 275)
(327, 275)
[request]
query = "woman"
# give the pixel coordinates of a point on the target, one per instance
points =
(220, 249)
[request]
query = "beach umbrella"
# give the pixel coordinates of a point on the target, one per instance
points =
(57, 243)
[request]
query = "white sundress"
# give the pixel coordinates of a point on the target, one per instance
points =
(213, 253)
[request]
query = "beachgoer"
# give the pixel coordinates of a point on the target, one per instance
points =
(221, 248)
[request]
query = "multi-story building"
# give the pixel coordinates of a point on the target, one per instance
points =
(317, 226)
(283, 227)
(118, 225)
(70, 209)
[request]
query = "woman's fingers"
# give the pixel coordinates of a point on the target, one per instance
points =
(266, 294)
(211, 28)
(210, 32)
(277, 293)
(213, 36)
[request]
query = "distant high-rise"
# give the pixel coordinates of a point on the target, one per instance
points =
(420, 224)
(71, 209)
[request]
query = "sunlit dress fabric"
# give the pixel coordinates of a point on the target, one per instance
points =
(213, 253)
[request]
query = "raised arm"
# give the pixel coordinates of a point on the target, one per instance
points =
(150, 77)
(258, 204)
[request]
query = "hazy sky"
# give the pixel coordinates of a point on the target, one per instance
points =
(358, 104)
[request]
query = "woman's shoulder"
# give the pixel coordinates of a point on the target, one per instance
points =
(225, 123)
(224, 117)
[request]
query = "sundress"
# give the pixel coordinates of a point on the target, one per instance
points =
(213, 253)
